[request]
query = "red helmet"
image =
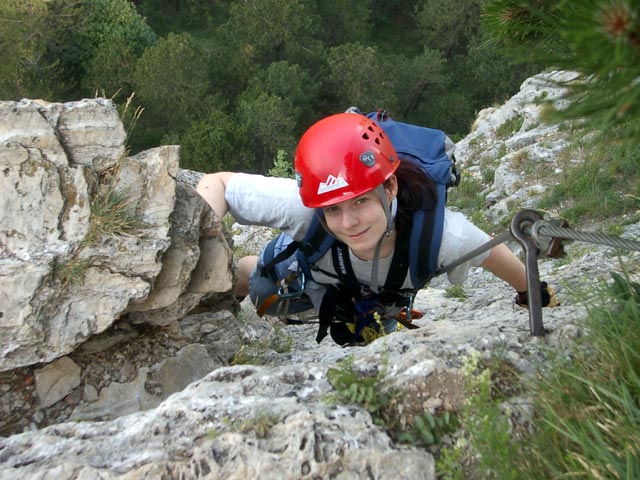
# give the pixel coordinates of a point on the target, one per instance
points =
(341, 157)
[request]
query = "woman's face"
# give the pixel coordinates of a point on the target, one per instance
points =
(361, 222)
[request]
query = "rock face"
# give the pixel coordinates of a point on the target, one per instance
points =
(511, 141)
(166, 347)
(56, 162)
(98, 249)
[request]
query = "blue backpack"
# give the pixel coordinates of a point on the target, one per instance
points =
(431, 150)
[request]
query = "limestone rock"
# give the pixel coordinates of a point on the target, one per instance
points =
(61, 285)
(56, 380)
(252, 424)
(533, 143)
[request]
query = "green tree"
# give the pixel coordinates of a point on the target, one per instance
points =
(446, 107)
(269, 120)
(290, 82)
(359, 76)
(385, 11)
(25, 70)
(598, 39)
(215, 143)
(413, 77)
(171, 80)
(344, 21)
(181, 15)
(260, 32)
(524, 30)
(448, 25)
(110, 69)
(97, 44)
(489, 76)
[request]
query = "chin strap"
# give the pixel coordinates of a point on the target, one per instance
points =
(390, 212)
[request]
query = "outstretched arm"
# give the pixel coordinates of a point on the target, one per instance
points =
(212, 188)
(504, 264)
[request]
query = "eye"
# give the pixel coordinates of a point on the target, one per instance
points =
(361, 201)
(331, 210)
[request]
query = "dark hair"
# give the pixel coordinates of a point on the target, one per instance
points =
(415, 191)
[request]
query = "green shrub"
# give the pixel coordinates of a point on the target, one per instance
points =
(282, 166)
(351, 386)
(484, 450)
(367, 390)
(509, 127)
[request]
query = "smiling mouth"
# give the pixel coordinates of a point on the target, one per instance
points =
(358, 235)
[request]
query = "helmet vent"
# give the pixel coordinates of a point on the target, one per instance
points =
(376, 139)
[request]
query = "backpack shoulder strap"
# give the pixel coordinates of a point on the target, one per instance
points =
(315, 244)
(410, 254)
(426, 232)
(431, 149)
(308, 250)
(316, 241)
(271, 260)
(399, 264)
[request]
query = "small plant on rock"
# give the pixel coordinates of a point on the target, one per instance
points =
(429, 429)
(71, 271)
(111, 214)
(509, 127)
(352, 386)
(484, 449)
(254, 353)
(260, 424)
(456, 291)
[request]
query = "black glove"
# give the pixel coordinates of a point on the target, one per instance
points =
(547, 294)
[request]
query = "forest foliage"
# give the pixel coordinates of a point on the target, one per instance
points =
(234, 83)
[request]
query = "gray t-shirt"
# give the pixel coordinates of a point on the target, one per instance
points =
(276, 203)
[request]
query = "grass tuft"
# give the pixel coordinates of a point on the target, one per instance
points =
(599, 182)
(590, 403)
(111, 214)
(71, 271)
(456, 291)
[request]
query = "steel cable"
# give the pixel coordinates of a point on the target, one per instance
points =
(550, 231)
(567, 233)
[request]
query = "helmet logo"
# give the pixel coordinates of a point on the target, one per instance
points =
(368, 158)
(332, 183)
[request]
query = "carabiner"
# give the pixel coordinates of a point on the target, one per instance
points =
(296, 294)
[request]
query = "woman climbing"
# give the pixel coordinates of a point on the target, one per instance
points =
(349, 177)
